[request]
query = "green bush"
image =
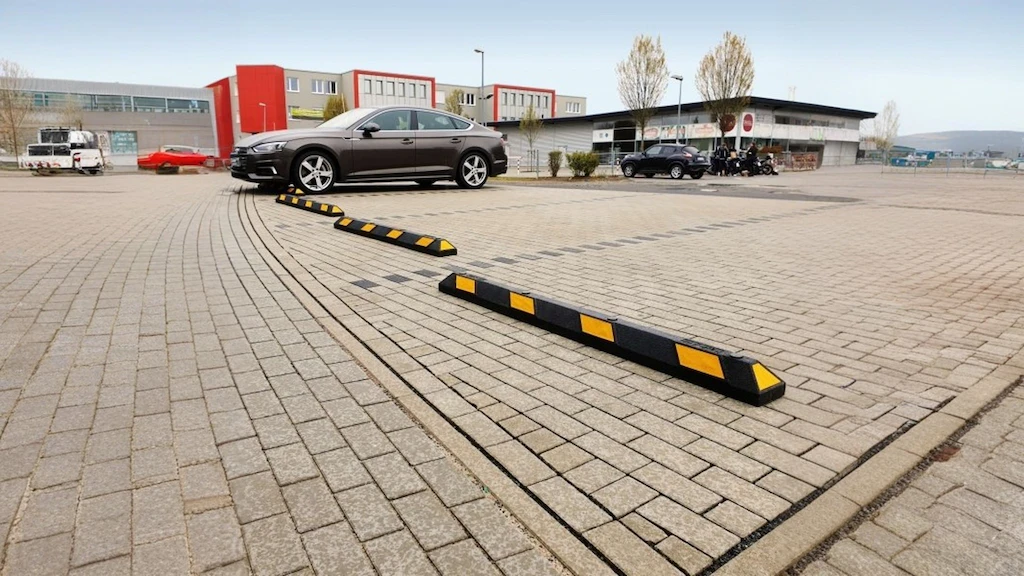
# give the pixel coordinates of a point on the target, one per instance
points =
(554, 162)
(583, 164)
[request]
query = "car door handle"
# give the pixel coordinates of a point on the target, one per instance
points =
(455, 140)
(407, 141)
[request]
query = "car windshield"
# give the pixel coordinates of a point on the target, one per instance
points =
(346, 119)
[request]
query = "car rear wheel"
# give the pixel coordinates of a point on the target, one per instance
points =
(676, 171)
(314, 172)
(697, 175)
(628, 170)
(472, 171)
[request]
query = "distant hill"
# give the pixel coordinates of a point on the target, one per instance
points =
(1007, 141)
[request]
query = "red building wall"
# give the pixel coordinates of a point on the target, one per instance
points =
(222, 108)
(264, 84)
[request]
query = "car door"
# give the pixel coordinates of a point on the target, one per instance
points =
(439, 141)
(390, 151)
(649, 160)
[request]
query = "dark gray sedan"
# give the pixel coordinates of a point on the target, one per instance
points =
(374, 145)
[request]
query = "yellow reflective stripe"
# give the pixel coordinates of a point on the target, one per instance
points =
(700, 361)
(446, 245)
(465, 284)
(596, 327)
(394, 234)
(281, 197)
(521, 303)
(335, 210)
(295, 200)
(764, 378)
(346, 221)
(367, 227)
(424, 241)
(323, 207)
(309, 203)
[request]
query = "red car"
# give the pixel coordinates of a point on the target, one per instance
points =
(173, 157)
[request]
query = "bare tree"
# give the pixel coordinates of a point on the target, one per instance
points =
(887, 127)
(71, 113)
(335, 105)
(724, 79)
(453, 102)
(643, 78)
(15, 104)
(530, 126)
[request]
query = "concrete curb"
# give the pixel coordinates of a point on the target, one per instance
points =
(326, 307)
(796, 537)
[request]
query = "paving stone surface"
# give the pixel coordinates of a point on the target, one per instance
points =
(167, 406)
(961, 516)
(859, 306)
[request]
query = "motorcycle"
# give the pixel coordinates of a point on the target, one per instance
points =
(768, 166)
(733, 165)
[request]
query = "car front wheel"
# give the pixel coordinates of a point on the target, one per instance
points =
(314, 172)
(628, 170)
(472, 171)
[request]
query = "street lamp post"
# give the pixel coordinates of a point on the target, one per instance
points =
(480, 96)
(264, 106)
(679, 106)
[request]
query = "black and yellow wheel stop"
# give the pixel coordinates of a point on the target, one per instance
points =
(318, 207)
(420, 242)
(727, 373)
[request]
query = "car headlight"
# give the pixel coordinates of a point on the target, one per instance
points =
(268, 147)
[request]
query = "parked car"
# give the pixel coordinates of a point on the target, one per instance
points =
(173, 156)
(676, 160)
(374, 144)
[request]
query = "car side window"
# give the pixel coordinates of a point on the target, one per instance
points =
(394, 120)
(460, 124)
(433, 121)
(655, 150)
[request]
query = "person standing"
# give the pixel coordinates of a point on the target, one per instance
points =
(751, 158)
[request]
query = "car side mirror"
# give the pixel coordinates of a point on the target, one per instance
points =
(371, 127)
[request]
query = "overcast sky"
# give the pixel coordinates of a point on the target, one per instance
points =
(948, 65)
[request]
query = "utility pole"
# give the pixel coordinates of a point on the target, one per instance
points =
(480, 96)
(679, 106)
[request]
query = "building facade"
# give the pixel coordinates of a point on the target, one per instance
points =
(130, 119)
(831, 134)
(259, 98)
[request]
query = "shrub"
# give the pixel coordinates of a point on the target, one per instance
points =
(583, 163)
(554, 162)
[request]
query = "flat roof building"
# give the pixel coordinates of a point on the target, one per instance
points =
(831, 133)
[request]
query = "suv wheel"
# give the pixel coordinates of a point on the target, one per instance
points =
(628, 170)
(472, 171)
(676, 171)
(314, 172)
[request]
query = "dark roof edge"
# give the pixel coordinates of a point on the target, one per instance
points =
(690, 106)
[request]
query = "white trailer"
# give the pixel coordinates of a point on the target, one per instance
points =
(64, 150)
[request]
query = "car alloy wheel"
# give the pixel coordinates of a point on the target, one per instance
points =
(473, 172)
(316, 173)
(629, 171)
(676, 171)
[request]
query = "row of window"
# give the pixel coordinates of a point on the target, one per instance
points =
(393, 88)
(402, 120)
(317, 86)
(573, 107)
(535, 100)
(796, 121)
(106, 103)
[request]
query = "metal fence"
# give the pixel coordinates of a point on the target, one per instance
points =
(974, 166)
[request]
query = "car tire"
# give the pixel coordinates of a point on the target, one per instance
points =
(472, 171)
(629, 170)
(314, 172)
(676, 171)
(697, 175)
(426, 183)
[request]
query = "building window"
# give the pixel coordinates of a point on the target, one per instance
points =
(401, 89)
(412, 90)
(367, 86)
(531, 100)
(291, 84)
(188, 106)
(504, 99)
(467, 99)
(545, 102)
(573, 107)
(143, 104)
(522, 98)
(390, 91)
(324, 87)
(423, 91)
(380, 86)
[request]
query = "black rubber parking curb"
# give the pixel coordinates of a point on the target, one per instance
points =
(419, 242)
(727, 373)
(318, 207)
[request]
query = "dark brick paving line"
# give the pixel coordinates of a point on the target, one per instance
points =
(167, 404)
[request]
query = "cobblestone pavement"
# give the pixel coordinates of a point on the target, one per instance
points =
(167, 406)
(875, 312)
(962, 516)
